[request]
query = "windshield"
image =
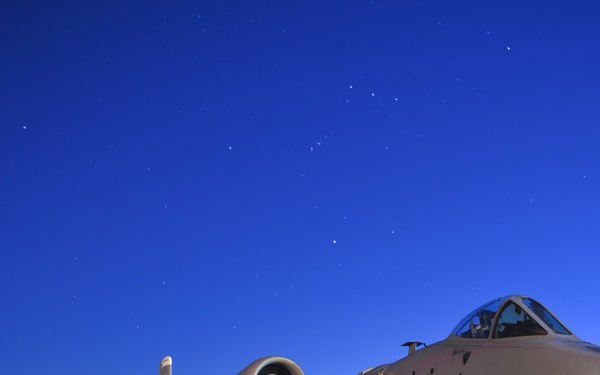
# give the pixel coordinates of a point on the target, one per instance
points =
(478, 323)
(546, 316)
(514, 322)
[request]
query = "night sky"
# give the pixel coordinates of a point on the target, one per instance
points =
(325, 180)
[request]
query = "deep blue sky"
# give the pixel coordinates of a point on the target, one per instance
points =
(223, 180)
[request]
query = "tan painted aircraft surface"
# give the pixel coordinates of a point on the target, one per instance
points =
(513, 335)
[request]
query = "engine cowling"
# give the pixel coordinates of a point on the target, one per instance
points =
(272, 366)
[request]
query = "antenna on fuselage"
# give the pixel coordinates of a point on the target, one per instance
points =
(413, 345)
(165, 367)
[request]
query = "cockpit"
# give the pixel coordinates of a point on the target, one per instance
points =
(511, 316)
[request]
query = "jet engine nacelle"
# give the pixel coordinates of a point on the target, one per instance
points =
(272, 366)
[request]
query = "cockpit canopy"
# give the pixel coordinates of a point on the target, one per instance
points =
(511, 316)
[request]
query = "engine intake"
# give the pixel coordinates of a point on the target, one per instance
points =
(272, 366)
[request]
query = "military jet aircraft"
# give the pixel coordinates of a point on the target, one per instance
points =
(512, 335)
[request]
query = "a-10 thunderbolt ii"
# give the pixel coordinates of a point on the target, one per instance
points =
(512, 335)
